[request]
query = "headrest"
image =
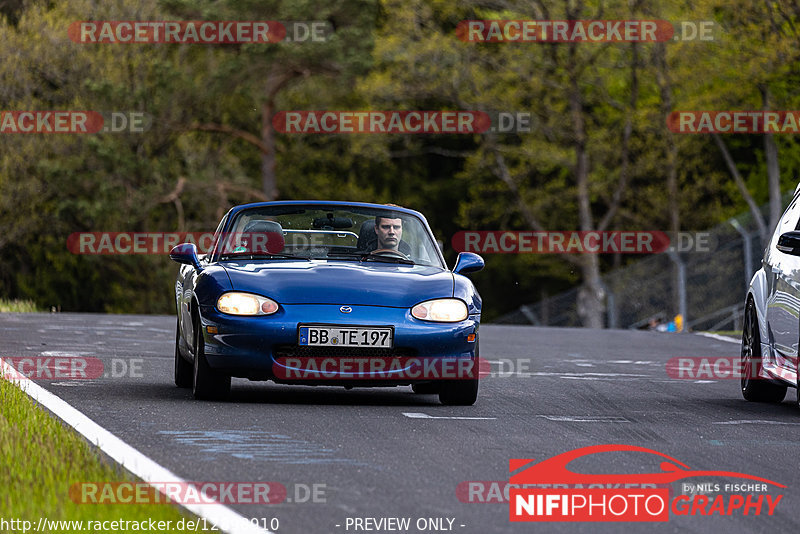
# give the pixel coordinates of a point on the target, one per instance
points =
(262, 237)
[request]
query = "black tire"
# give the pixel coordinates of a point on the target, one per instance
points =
(183, 369)
(461, 392)
(798, 386)
(428, 388)
(207, 384)
(755, 388)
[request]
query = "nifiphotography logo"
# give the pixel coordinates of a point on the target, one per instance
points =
(548, 491)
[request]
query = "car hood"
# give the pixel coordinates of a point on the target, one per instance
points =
(337, 282)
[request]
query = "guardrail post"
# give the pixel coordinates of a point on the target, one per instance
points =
(748, 252)
(681, 281)
(611, 307)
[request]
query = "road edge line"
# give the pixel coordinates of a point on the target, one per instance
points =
(141, 466)
(719, 337)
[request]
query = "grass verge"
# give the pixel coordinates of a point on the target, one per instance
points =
(15, 305)
(41, 458)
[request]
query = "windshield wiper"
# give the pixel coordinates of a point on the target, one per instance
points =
(366, 256)
(260, 256)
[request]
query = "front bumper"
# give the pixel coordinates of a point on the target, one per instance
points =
(257, 347)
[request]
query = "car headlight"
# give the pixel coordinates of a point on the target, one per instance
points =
(441, 310)
(246, 304)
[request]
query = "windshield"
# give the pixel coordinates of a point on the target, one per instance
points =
(334, 233)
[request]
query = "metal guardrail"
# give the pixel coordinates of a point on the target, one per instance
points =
(729, 318)
(706, 287)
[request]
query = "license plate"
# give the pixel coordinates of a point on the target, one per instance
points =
(344, 336)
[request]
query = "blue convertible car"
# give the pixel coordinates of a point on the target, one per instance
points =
(326, 293)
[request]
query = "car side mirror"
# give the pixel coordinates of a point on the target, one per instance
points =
(789, 243)
(186, 253)
(468, 262)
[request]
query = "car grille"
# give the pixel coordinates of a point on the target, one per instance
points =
(295, 351)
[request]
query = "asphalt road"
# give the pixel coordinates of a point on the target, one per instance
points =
(574, 388)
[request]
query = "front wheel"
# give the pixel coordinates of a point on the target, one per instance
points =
(755, 388)
(207, 384)
(461, 392)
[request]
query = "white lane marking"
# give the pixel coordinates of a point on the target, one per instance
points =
(585, 363)
(420, 415)
(62, 354)
(587, 378)
(754, 422)
(134, 461)
(720, 338)
(570, 373)
(586, 418)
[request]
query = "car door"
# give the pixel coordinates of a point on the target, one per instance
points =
(186, 281)
(783, 304)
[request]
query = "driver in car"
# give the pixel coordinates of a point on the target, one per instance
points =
(389, 232)
(383, 233)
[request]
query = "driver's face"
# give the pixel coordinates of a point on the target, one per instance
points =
(389, 232)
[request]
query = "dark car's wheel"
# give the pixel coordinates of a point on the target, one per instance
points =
(755, 388)
(207, 384)
(427, 388)
(798, 385)
(461, 392)
(183, 368)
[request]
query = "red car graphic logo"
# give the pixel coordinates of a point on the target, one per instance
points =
(554, 470)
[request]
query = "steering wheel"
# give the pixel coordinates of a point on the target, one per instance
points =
(390, 252)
